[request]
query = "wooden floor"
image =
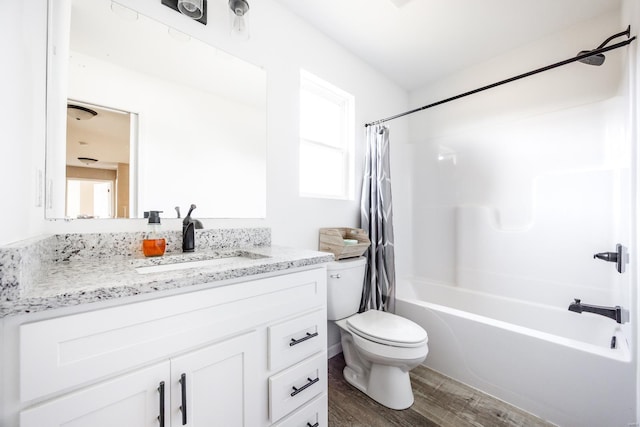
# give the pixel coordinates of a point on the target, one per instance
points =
(439, 401)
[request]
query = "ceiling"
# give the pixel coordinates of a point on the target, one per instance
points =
(415, 42)
(104, 137)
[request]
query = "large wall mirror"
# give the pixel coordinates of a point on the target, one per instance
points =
(142, 117)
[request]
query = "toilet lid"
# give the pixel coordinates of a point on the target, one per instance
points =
(387, 328)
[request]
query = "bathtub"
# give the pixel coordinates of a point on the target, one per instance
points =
(546, 360)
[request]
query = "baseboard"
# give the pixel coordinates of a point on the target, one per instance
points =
(334, 350)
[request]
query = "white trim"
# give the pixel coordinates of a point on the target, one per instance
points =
(346, 101)
(334, 350)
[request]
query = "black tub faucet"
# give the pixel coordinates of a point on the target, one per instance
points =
(620, 257)
(614, 313)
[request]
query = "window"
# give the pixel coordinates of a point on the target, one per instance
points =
(326, 139)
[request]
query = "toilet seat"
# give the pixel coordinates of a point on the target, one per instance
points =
(387, 328)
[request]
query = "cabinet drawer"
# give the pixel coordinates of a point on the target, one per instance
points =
(297, 385)
(312, 414)
(293, 340)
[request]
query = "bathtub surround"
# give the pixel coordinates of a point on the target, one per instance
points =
(72, 269)
(513, 192)
(376, 217)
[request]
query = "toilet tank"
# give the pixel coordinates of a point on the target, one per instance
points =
(344, 287)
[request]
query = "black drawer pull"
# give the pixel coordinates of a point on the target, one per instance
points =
(304, 387)
(183, 407)
(315, 425)
(309, 336)
(161, 391)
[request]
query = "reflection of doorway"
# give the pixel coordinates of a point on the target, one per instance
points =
(99, 142)
(89, 198)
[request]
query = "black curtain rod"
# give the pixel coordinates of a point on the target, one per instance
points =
(511, 79)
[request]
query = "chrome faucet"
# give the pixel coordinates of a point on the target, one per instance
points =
(614, 313)
(188, 231)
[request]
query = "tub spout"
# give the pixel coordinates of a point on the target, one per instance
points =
(575, 306)
(614, 313)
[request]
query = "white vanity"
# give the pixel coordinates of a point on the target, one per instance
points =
(240, 351)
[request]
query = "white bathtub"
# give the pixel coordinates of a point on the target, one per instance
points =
(548, 361)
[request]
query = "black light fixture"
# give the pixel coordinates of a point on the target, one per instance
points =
(194, 9)
(239, 23)
(78, 112)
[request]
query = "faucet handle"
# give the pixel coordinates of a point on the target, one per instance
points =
(620, 257)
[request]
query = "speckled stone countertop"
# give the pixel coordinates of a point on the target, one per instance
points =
(38, 275)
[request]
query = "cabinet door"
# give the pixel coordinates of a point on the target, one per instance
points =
(131, 400)
(218, 385)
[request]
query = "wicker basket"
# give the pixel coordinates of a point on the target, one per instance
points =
(333, 240)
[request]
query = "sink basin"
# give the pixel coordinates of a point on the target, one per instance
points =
(191, 264)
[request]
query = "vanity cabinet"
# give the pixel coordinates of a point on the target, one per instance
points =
(206, 387)
(217, 385)
(244, 354)
(128, 400)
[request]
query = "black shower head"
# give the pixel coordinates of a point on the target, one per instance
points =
(597, 59)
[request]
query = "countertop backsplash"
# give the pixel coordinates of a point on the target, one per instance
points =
(23, 263)
(75, 247)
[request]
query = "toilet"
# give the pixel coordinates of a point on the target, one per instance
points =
(379, 348)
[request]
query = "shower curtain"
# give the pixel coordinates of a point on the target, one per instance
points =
(376, 217)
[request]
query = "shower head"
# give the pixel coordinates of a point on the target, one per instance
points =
(597, 59)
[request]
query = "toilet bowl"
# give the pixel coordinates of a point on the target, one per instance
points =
(380, 348)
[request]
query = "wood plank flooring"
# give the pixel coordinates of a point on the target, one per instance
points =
(439, 402)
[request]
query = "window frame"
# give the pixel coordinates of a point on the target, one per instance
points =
(346, 102)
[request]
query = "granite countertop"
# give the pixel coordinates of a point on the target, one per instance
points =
(86, 280)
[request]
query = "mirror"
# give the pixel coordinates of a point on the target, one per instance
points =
(195, 117)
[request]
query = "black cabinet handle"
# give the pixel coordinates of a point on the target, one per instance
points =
(183, 407)
(161, 391)
(298, 341)
(315, 425)
(304, 387)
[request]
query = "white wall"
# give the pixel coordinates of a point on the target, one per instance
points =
(22, 83)
(280, 42)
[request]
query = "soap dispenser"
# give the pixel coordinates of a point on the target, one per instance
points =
(153, 244)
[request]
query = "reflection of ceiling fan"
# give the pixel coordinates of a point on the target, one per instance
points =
(87, 160)
(78, 112)
(97, 136)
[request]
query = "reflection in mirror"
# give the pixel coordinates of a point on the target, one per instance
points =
(197, 117)
(98, 147)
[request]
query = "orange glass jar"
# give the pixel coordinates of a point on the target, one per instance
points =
(154, 247)
(152, 243)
